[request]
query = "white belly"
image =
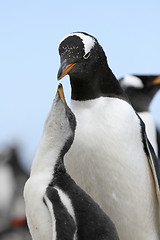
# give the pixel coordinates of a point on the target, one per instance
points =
(107, 160)
(38, 216)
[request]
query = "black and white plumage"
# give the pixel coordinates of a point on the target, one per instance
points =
(110, 158)
(141, 89)
(56, 207)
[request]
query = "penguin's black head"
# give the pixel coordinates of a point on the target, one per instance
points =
(80, 54)
(84, 60)
(140, 89)
(150, 80)
(140, 82)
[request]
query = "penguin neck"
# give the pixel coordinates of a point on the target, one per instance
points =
(59, 166)
(101, 82)
(48, 158)
(153, 91)
(144, 97)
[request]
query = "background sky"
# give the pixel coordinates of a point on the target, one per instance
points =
(30, 31)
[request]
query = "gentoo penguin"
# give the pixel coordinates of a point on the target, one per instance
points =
(110, 158)
(56, 207)
(141, 89)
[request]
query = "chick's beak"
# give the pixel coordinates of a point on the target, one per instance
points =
(64, 69)
(61, 93)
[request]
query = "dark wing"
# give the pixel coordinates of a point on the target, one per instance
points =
(152, 159)
(158, 142)
(64, 226)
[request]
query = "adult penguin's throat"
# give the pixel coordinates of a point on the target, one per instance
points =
(100, 84)
(84, 89)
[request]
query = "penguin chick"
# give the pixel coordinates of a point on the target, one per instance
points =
(56, 207)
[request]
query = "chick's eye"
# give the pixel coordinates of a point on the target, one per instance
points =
(86, 55)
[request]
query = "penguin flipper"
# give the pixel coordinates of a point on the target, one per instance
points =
(155, 166)
(63, 225)
(158, 142)
(152, 159)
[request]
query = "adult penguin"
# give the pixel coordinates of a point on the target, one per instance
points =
(141, 90)
(111, 157)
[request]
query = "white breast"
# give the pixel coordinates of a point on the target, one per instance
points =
(38, 216)
(107, 160)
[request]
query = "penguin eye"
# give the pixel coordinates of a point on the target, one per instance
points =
(87, 55)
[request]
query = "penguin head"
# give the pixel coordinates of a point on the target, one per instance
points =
(140, 82)
(60, 124)
(140, 90)
(150, 81)
(80, 54)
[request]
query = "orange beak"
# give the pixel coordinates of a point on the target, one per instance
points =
(61, 93)
(156, 81)
(64, 69)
